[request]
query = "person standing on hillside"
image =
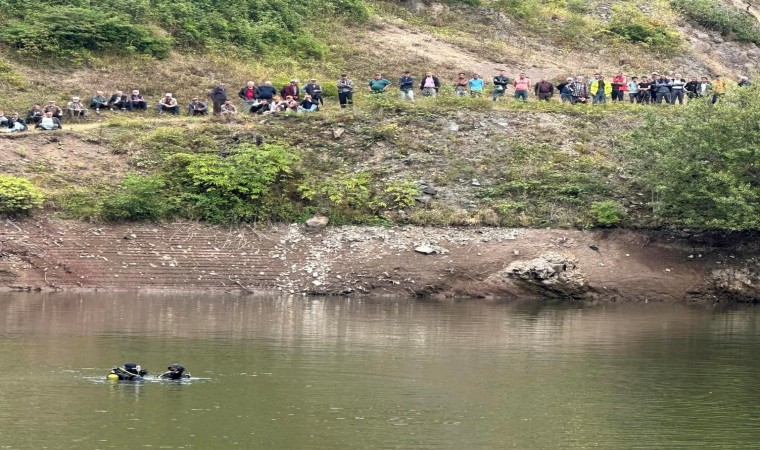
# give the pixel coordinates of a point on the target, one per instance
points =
(248, 95)
(291, 89)
(719, 89)
(522, 86)
(315, 91)
(500, 84)
(564, 90)
(266, 92)
(600, 90)
(476, 85)
(218, 97)
(644, 90)
(378, 84)
(692, 88)
(461, 85)
(430, 85)
(578, 91)
(662, 90)
(345, 91)
(619, 87)
(677, 88)
(406, 86)
(633, 90)
(544, 90)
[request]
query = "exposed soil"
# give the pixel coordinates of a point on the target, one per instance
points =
(615, 265)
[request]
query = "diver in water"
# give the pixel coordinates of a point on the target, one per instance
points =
(130, 372)
(175, 372)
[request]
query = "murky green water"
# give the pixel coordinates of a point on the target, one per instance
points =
(295, 373)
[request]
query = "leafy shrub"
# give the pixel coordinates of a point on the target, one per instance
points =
(137, 197)
(629, 23)
(18, 195)
(607, 213)
(64, 31)
(358, 197)
(705, 176)
(715, 15)
(247, 184)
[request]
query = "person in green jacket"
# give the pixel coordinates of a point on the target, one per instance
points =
(600, 89)
(378, 84)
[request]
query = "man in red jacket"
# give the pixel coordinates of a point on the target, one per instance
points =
(292, 90)
(619, 87)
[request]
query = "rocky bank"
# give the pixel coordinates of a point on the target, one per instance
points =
(494, 263)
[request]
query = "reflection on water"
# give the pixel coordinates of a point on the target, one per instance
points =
(312, 373)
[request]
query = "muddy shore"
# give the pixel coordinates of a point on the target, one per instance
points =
(495, 263)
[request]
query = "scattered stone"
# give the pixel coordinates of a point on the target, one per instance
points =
(338, 132)
(453, 126)
(429, 190)
(316, 223)
(130, 236)
(475, 182)
(593, 247)
(425, 249)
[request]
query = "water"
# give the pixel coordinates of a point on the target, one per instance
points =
(324, 373)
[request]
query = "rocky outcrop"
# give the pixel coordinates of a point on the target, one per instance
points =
(551, 274)
(737, 283)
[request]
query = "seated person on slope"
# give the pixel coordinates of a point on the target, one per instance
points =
(49, 122)
(119, 101)
(35, 115)
(98, 101)
(76, 108)
(197, 107)
(168, 104)
(53, 108)
(228, 109)
(16, 123)
(307, 104)
(137, 100)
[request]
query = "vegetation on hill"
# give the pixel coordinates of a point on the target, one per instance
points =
(507, 164)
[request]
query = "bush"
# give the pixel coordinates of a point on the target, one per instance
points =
(63, 31)
(137, 197)
(634, 26)
(715, 15)
(607, 213)
(705, 176)
(18, 195)
(247, 184)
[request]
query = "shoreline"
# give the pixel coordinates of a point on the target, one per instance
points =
(45, 254)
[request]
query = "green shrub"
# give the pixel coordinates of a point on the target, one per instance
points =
(137, 197)
(63, 31)
(18, 195)
(704, 176)
(249, 183)
(630, 24)
(607, 213)
(730, 21)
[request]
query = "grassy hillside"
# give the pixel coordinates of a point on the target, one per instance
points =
(444, 161)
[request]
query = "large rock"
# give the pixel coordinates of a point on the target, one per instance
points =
(550, 275)
(316, 223)
(738, 283)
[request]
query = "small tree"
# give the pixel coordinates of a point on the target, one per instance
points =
(18, 195)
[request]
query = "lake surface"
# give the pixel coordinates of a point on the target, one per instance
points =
(334, 373)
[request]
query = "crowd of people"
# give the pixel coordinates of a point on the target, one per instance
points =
(264, 98)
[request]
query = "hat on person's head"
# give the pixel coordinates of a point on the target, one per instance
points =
(51, 101)
(743, 77)
(569, 78)
(168, 94)
(76, 99)
(406, 71)
(196, 98)
(313, 79)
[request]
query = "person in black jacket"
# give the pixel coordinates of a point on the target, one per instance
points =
(266, 91)
(500, 83)
(218, 97)
(315, 91)
(429, 85)
(119, 101)
(406, 86)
